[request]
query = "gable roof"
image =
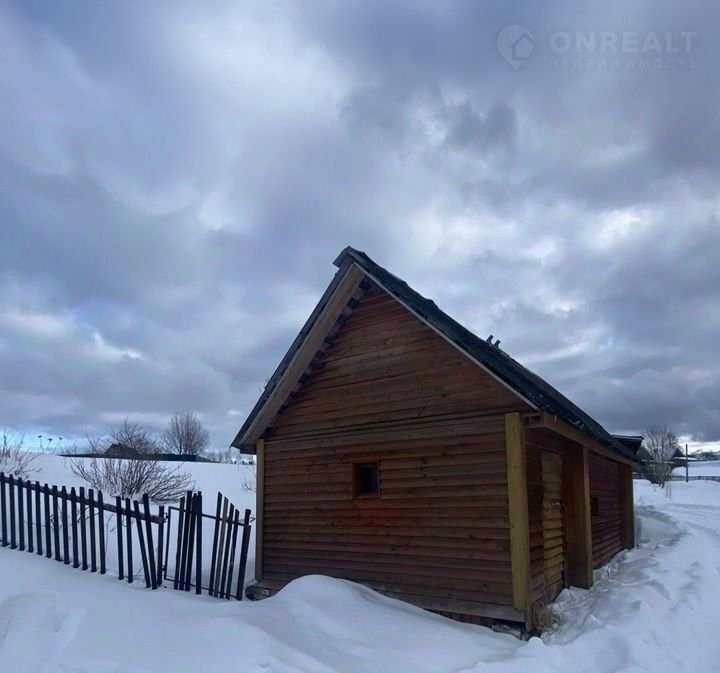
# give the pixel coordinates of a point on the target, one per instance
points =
(526, 384)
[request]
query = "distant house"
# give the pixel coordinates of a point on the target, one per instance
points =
(121, 451)
(634, 443)
(397, 449)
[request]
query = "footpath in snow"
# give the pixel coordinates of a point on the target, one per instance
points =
(652, 609)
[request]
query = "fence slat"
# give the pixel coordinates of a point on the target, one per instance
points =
(243, 556)
(11, 482)
(141, 539)
(178, 543)
(213, 559)
(93, 552)
(73, 523)
(161, 542)
(128, 529)
(118, 531)
(101, 531)
(198, 552)
(56, 523)
(187, 516)
(190, 543)
(21, 514)
(221, 546)
(28, 503)
(3, 525)
(150, 544)
(234, 527)
(226, 550)
(83, 529)
(38, 520)
(65, 537)
(46, 498)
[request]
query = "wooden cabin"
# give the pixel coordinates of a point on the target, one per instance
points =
(397, 449)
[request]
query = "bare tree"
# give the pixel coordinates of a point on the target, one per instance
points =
(185, 434)
(133, 478)
(134, 436)
(14, 459)
(660, 447)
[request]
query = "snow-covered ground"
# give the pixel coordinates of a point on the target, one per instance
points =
(652, 609)
(708, 468)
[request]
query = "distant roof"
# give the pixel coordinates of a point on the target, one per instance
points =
(631, 442)
(517, 377)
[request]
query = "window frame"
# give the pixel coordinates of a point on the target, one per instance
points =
(357, 491)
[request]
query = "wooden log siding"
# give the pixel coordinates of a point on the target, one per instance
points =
(385, 365)
(607, 521)
(388, 389)
(439, 532)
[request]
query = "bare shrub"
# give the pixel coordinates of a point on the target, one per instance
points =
(133, 478)
(660, 446)
(14, 459)
(185, 434)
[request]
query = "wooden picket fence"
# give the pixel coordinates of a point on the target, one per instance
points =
(70, 525)
(189, 547)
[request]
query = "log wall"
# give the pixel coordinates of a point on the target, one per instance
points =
(607, 519)
(389, 389)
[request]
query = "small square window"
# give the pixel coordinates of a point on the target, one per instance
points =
(594, 506)
(366, 480)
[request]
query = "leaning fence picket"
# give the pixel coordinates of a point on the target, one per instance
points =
(190, 543)
(243, 555)
(141, 538)
(235, 526)
(178, 544)
(150, 545)
(213, 560)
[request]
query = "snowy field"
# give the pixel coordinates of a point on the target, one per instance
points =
(652, 609)
(709, 468)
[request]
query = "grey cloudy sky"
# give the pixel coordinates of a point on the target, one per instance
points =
(176, 179)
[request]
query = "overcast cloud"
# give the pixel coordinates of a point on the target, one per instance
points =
(176, 179)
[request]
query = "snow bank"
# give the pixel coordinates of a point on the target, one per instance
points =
(652, 609)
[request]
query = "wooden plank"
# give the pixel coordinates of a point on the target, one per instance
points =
(56, 523)
(199, 544)
(235, 526)
(93, 548)
(65, 532)
(150, 541)
(38, 519)
(21, 514)
(216, 535)
(48, 518)
(240, 591)
(578, 530)
(29, 507)
(161, 544)
(83, 530)
(119, 535)
(141, 538)
(190, 541)
(178, 544)
(518, 508)
(101, 530)
(3, 511)
(74, 527)
(128, 530)
(259, 507)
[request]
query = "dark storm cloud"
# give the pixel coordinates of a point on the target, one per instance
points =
(176, 179)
